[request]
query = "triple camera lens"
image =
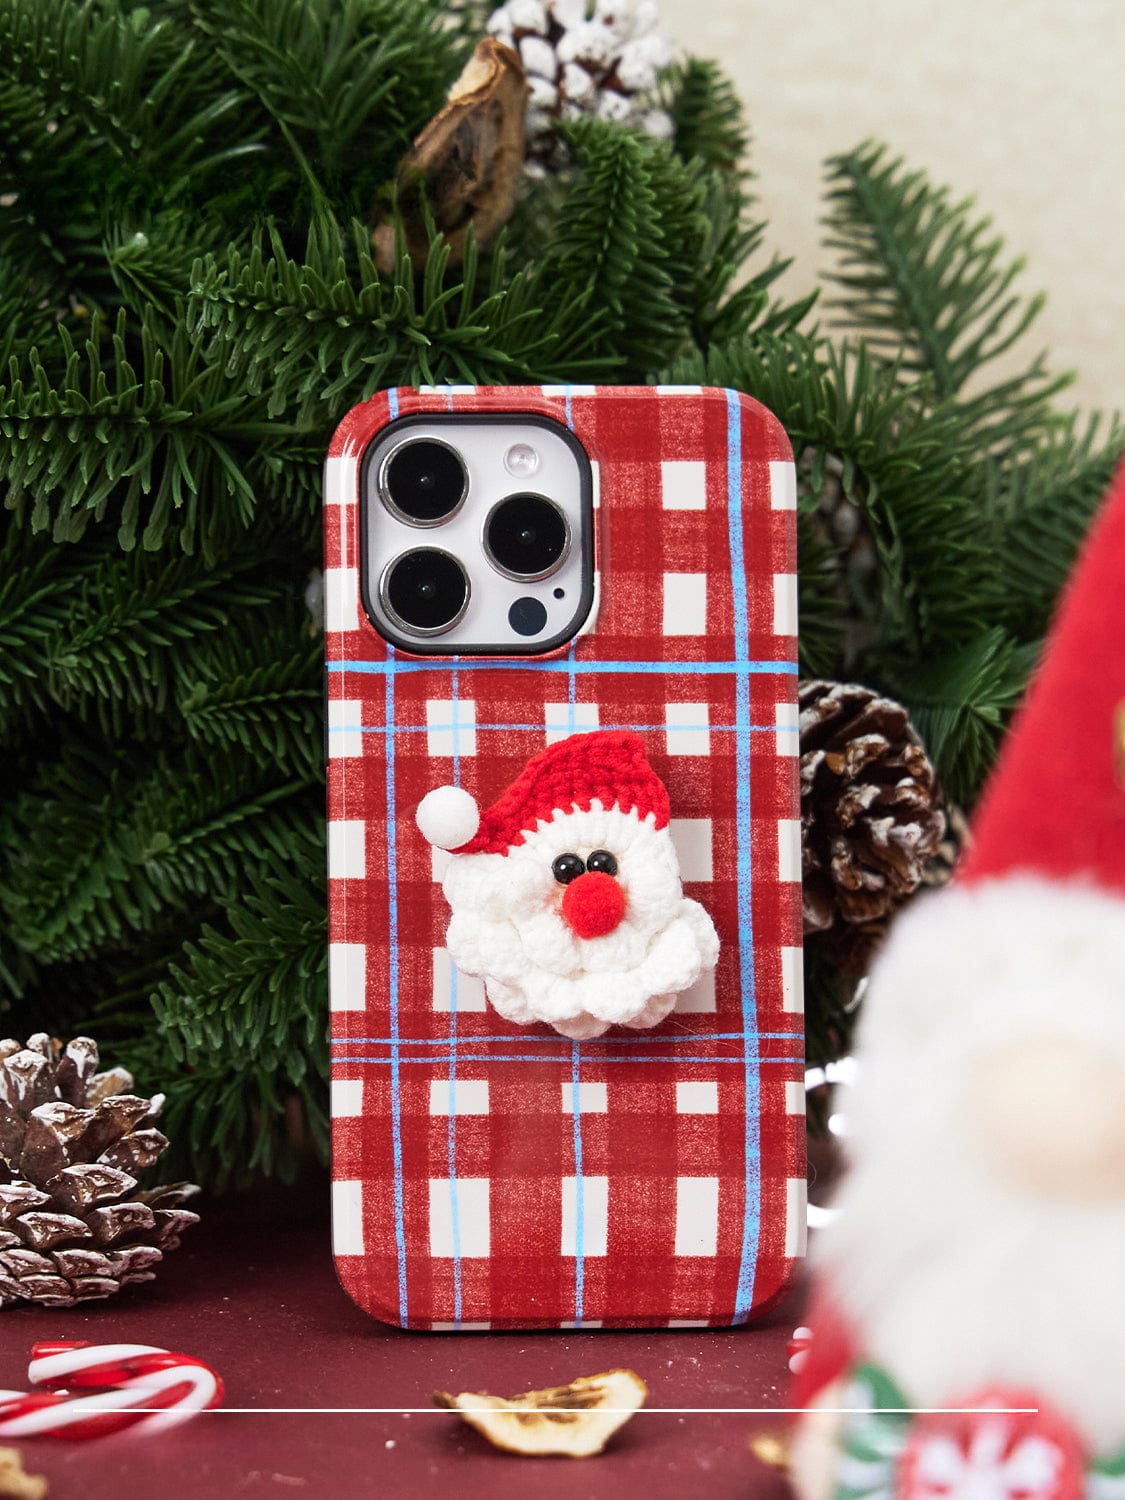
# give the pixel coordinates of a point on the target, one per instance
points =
(426, 590)
(526, 536)
(424, 483)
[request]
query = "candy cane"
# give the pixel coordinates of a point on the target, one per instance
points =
(125, 1382)
(797, 1349)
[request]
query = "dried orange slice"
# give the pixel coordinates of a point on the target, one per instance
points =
(576, 1419)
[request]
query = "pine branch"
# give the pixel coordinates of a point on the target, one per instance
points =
(259, 987)
(135, 628)
(707, 117)
(157, 446)
(961, 704)
(108, 846)
(28, 299)
(1038, 513)
(51, 223)
(343, 84)
(263, 698)
(36, 581)
(328, 332)
(900, 458)
(151, 257)
(610, 248)
(129, 80)
(244, 1010)
(924, 280)
(820, 643)
(227, 1124)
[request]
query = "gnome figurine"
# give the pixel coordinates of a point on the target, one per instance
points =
(978, 1256)
(565, 893)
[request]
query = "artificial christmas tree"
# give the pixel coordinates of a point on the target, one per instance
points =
(189, 300)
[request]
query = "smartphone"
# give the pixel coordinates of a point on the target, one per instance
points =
(564, 857)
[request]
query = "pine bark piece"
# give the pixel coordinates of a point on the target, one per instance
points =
(468, 160)
(871, 815)
(575, 1420)
(15, 1482)
(73, 1225)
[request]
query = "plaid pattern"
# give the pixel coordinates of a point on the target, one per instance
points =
(492, 1175)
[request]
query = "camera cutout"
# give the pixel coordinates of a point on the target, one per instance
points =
(461, 555)
(423, 482)
(526, 537)
(425, 592)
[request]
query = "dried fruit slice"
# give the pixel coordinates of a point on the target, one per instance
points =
(576, 1419)
(15, 1482)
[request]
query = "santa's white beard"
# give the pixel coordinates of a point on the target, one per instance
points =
(507, 928)
(952, 1276)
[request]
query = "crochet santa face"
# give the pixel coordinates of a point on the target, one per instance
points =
(565, 894)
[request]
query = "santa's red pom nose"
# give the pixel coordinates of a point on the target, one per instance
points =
(593, 904)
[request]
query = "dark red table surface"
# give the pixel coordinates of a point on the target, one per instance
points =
(252, 1292)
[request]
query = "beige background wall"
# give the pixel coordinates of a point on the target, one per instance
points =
(1019, 102)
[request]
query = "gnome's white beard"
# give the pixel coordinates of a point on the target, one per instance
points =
(953, 1277)
(507, 928)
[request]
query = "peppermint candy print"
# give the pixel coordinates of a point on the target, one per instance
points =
(994, 1452)
(996, 1445)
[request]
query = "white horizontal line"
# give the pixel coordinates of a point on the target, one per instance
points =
(615, 1411)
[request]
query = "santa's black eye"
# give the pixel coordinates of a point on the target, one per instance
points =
(603, 861)
(566, 868)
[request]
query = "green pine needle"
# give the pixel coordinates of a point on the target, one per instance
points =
(927, 282)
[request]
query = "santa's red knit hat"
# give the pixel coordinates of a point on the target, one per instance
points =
(608, 766)
(1055, 804)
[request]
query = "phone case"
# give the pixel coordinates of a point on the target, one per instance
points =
(488, 1174)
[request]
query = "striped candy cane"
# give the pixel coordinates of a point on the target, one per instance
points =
(88, 1390)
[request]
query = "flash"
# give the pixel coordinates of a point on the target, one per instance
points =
(521, 460)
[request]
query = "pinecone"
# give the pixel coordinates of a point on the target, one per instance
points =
(871, 816)
(601, 60)
(72, 1228)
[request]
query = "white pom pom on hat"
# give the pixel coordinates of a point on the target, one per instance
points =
(448, 817)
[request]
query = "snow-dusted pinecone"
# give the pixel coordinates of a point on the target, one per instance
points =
(72, 1226)
(871, 812)
(601, 58)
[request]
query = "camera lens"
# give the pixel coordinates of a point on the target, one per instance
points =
(526, 536)
(425, 591)
(424, 482)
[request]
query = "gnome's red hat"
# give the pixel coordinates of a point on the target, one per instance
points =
(1055, 804)
(607, 765)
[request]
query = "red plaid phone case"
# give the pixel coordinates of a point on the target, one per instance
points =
(488, 1174)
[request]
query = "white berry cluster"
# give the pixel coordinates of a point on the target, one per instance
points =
(586, 57)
